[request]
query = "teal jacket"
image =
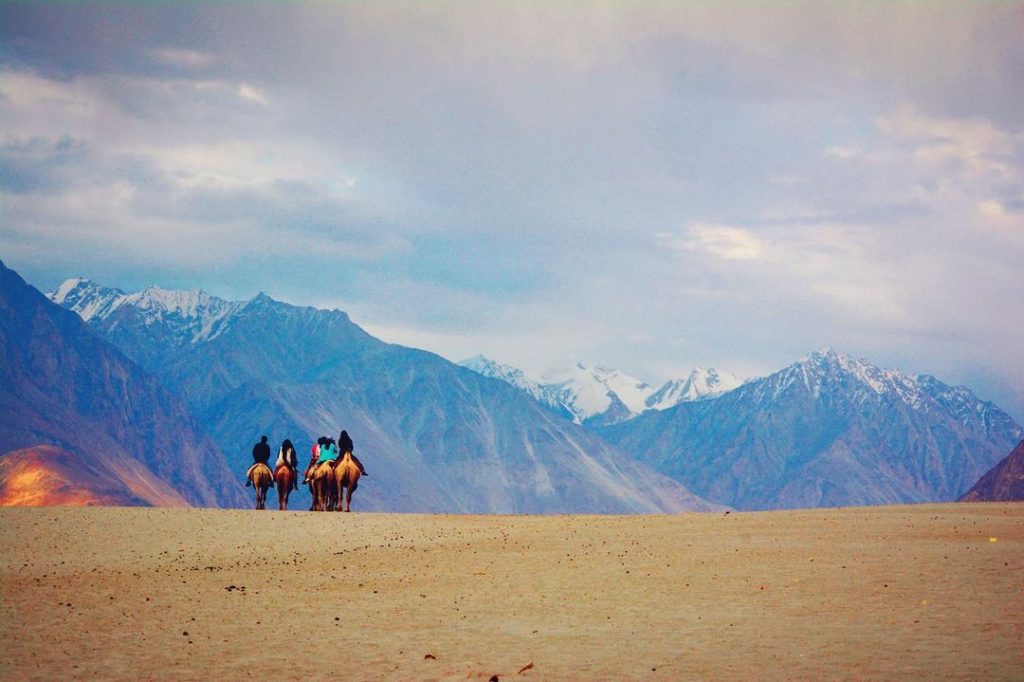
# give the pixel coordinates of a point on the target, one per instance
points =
(328, 454)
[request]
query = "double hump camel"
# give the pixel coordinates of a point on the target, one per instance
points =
(330, 485)
(261, 478)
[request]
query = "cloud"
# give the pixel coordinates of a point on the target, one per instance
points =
(645, 185)
(720, 241)
(248, 92)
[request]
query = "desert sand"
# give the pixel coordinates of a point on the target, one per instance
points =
(921, 592)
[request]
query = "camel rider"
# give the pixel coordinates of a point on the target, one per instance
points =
(260, 455)
(286, 457)
(328, 452)
(345, 445)
(314, 457)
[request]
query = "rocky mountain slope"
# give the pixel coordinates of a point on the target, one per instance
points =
(828, 430)
(1003, 483)
(61, 385)
(434, 436)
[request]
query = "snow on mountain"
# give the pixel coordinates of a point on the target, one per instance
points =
(508, 374)
(121, 433)
(702, 382)
(598, 395)
(829, 429)
(827, 366)
(194, 315)
(436, 437)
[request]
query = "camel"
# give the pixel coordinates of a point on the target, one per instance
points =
(346, 478)
(307, 479)
(324, 491)
(262, 479)
(284, 477)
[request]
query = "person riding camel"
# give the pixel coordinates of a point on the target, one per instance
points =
(328, 452)
(260, 455)
(345, 444)
(286, 456)
(314, 458)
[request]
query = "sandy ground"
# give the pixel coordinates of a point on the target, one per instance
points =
(920, 592)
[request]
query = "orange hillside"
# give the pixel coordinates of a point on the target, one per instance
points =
(45, 475)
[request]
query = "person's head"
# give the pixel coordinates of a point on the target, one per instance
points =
(322, 440)
(263, 439)
(287, 445)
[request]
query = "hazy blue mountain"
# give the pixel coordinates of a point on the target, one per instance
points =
(61, 385)
(828, 430)
(434, 436)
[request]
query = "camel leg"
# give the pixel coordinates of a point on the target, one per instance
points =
(348, 495)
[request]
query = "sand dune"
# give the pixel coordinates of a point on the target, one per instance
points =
(919, 592)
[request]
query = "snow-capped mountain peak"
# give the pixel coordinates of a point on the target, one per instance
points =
(507, 373)
(604, 395)
(828, 364)
(829, 370)
(87, 298)
(195, 315)
(589, 392)
(702, 382)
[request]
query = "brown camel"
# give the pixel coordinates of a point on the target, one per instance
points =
(307, 479)
(346, 478)
(283, 477)
(262, 479)
(324, 492)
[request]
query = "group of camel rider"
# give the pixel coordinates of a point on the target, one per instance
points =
(328, 450)
(324, 450)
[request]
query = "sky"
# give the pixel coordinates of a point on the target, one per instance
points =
(640, 185)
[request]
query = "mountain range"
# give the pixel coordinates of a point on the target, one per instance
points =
(116, 429)
(598, 396)
(157, 396)
(827, 430)
(434, 436)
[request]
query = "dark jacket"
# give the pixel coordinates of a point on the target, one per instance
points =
(261, 453)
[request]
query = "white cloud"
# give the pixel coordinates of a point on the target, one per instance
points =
(721, 241)
(252, 94)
